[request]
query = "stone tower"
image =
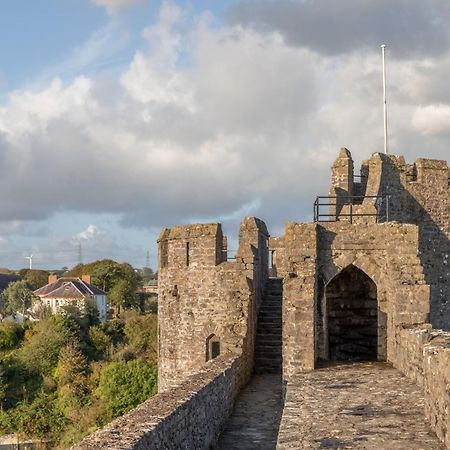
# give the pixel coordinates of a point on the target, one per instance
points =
(374, 261)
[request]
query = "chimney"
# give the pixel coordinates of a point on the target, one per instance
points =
(52, 278)
(86, 278)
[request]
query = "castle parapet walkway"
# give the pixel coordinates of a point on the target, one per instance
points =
(369, 406)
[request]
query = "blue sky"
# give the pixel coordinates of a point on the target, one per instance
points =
(38, 35)
(121, 117)
(38, 39)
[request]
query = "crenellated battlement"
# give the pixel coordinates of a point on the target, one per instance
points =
(207, 305)
(366, 281)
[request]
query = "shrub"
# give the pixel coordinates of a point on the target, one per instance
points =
(124, 385)
(100, 340)
(141, 333)
(10, 335)
(43, 343)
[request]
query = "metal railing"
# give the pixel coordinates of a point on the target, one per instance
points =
(347, 200)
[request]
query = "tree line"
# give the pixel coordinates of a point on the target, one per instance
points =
(66, 375)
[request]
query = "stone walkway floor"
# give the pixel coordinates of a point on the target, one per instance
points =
(368, 406)
(256, 417)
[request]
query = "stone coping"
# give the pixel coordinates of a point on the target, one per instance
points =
(201, 398)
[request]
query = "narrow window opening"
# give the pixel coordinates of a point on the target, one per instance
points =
(212, 347)
(187, 254)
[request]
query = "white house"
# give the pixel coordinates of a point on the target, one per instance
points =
(78, 292)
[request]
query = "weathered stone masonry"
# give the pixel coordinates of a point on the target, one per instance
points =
(387, 253)
(189, 416)
(369, 284)
(202, 295)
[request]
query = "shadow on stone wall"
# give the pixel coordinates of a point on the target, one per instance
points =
(434, 243)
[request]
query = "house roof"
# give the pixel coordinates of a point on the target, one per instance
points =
(68, 288)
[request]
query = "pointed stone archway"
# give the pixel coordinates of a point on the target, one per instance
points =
(355, 328)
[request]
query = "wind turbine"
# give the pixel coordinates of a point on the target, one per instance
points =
(30, 258)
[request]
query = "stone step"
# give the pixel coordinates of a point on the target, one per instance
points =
(271, 306)
(275, 289)
(270, 346)
(271, 302)
(273, 327)
(265, 361)
(269, 333)
(268, 343)
(269, 339)
(273, 292)
(270, 326)
(270, 370)
(267, 368)
(269, 353)
(269, 315)
(274, 280)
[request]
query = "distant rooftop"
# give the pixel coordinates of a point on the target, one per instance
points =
(68, 288)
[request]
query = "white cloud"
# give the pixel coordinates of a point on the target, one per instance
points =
(432, 119)
(207, 121)
(92, 231)
(112, 6)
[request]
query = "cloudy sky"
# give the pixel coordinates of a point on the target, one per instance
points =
(120, 117)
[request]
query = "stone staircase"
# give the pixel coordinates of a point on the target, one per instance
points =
(268, 342)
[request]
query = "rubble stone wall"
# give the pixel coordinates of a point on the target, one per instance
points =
(202, 296)
(296, 256)
(189, 416)
(423, 354)
(310, 255)
(419, 194)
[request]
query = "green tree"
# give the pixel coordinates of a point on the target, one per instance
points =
(34, 277)
(3, 384)
(72, 365)
(10, 335)
(100, 340)
(141, 333)
(44, 341)
(76, 271)
(115, 329)
(40, 418)
(123, 294)
(105, 274)
(17, 297)
(72, 380)
(91, 314)
(124, 385)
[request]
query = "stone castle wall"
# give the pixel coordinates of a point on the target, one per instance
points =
(417, 193)
(204, 297)
(188, 416)
(208, 304)
(308, 256)
(423, 354)
(201, 295)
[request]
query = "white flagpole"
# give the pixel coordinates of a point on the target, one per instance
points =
(383, 48)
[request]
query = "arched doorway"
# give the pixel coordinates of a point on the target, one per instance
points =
(352, 320)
